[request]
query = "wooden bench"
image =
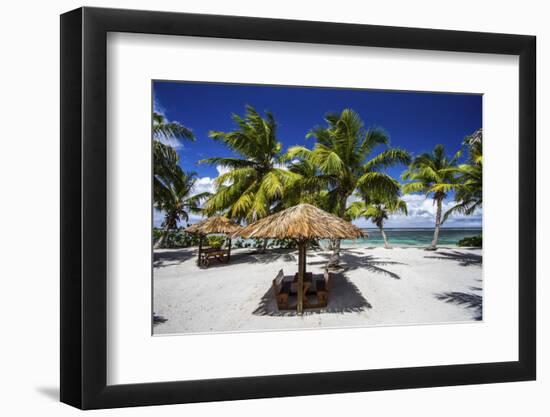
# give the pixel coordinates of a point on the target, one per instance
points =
(209, 254)
(323, 289)
(281, 288)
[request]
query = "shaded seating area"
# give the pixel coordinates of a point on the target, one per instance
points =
(315, 293)
(302, 223)
(213, 225)
(209, 255)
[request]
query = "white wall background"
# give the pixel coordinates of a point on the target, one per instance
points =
(29, 209)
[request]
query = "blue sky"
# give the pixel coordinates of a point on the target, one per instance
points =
(415, 121)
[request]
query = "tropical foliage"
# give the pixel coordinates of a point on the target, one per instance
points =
(473, 241)
(469, 191)
(174, 238)
(166, 168)
(215, 241)
(172, 187)
(255, 179)
(179, 200)
(378, 209)
(339, 164)
(434, 174)
(347, 159)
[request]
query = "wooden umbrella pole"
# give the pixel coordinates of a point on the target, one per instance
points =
(200, 250)
(301, 273)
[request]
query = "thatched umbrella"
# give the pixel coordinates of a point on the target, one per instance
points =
(302, 222)
(212, 225)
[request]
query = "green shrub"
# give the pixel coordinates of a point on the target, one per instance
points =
(475, 241)
(215, 241)
(175, 239)
(283, 243)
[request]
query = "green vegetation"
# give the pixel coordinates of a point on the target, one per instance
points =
(469, 191)
(174, 239)
(377, 209)
(474, 241)
(344, 172)
(172, 187)
(434, 174)
(215, 241)
(339, 164)
(254, 181)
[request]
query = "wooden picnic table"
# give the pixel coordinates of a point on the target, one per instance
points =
(313, 285)
(209, 254)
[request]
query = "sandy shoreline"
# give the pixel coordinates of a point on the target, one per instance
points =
(403, 285)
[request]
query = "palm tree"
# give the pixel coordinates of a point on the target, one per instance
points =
(165, 158)
(162, 128)
(434, 174)
(178, 202)
(341, 157)
(377, 209)
(255, 180)
(308, 186)
(469, 190)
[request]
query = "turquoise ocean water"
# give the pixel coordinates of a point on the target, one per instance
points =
(413, 237)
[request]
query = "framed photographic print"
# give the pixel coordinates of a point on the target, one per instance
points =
(257, 208)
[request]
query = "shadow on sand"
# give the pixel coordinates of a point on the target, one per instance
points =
(344, 297)
(257, 257)
(352, 259)
(466, 300)
(463, 259)
(173, 257)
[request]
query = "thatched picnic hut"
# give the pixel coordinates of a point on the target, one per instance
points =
(213, 225)
(303, 223)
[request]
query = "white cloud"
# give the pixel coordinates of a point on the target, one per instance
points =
(204, 184)
(222, 170)
(421, 213)
(174, 143)
(422, 210)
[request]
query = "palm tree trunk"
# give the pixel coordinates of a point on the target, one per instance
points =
(437, 224)
(264, 245)
(158, 244)
(386, 243)
(334, 261)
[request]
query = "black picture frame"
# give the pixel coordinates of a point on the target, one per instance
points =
(84, 207)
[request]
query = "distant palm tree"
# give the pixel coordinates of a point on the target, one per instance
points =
(162, 128)
(341, 157)
(433, 174)
(469, 190)
(378, 210)
(255, 180)
(178, 202)
(165, 158)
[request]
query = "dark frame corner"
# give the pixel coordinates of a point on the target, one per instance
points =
(83, 207)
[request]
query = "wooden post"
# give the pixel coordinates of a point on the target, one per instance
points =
(200, 250)
(301, 274)
(229, 250)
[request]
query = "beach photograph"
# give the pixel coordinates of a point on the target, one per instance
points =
(292, 207)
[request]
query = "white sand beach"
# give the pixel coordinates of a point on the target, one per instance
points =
(376, 287)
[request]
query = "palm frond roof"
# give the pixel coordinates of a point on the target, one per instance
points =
(214, 224)
(302, 221)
